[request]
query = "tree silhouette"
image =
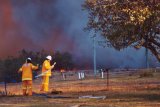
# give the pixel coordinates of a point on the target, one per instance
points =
(9, 67)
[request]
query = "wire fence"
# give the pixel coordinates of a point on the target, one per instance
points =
(110, 76)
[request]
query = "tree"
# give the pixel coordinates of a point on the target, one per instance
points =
(63, 60)
(124, 23)
(9, 66)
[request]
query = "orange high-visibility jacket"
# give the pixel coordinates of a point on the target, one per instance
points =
(46, 67)
(26, 70)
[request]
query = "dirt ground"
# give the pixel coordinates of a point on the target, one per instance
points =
(124, 90)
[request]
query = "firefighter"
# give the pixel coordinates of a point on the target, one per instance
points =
(46, 67)
(26, 70)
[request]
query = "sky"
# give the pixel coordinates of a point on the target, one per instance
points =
(57, 25)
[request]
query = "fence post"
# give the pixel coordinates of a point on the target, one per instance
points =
(64, 76)
(5, 85)
(82, 75)
(79, 75)
(107, 79)
(101, 73)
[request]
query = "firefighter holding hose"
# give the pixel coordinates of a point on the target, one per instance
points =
(46, 71)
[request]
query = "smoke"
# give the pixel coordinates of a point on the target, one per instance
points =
(12, 39)
(56, 25)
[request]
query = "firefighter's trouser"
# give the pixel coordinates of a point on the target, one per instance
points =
(27, 87)
(45, 83)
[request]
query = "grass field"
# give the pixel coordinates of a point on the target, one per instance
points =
(124, 90)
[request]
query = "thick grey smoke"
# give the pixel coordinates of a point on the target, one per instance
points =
(57, 25)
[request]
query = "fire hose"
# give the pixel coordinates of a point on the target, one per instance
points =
(42, 74)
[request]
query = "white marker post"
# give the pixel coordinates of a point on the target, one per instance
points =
(82, 75)
(64, 77)
(79, 75)
(102, 74)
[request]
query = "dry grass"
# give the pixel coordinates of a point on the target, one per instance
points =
(123, 91)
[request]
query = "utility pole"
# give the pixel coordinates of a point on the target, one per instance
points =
(94, 55)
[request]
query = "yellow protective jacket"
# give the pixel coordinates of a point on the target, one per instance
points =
(26, 70)
(46, 67)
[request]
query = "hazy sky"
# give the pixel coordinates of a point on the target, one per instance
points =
(56, 25)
